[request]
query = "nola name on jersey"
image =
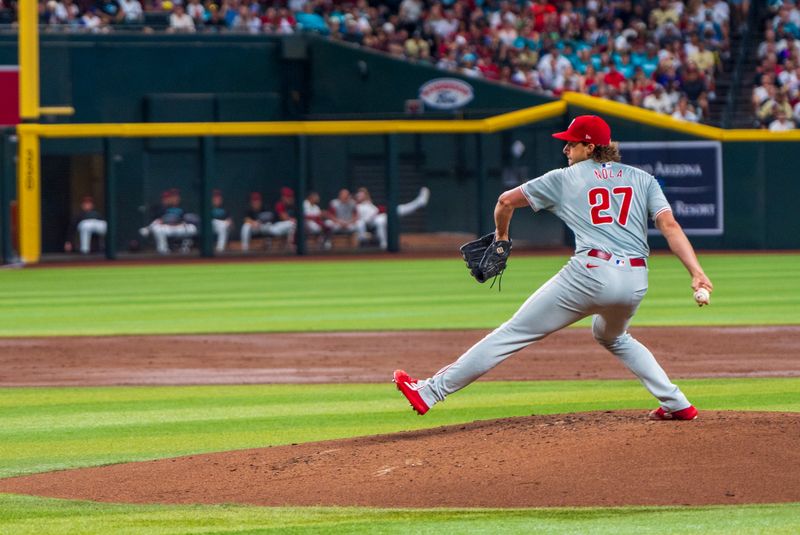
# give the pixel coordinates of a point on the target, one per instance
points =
(607, 171)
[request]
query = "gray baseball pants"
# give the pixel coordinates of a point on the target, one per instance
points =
(611, 291)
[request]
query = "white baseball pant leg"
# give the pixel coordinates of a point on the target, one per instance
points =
(162, 233)
(221, 230)
(613, 293)
(245, 236)
(313, 227)
(86, 228)
(361, 229)
(381, 224)
(282, 228)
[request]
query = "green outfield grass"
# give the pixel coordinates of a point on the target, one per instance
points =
(55, 428)
(45, 429)
(23, 515)
(360, 295)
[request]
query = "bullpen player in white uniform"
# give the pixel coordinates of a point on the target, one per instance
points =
(88, 222)
(607, 205)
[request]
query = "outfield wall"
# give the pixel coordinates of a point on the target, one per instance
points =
(161, 78)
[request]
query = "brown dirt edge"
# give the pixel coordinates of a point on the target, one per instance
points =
(589, 459)
(370, 357)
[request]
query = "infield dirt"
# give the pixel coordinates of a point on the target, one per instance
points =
(351, 357)
(589, 459)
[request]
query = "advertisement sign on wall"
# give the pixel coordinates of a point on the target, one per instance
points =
(690, 174)
(446, 93)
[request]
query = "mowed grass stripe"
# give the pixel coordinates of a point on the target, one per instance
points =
(26, 515)
(48, 428)
(360, 295)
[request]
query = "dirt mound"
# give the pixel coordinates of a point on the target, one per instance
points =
(370, 357)
(610, 458)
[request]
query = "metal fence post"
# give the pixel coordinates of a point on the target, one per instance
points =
(110, 199)
(392, 220)
(206, 230)
(300, 194)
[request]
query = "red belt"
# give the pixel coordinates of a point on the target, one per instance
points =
(602, 255)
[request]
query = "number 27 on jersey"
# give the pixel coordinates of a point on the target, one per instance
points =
(600, 203)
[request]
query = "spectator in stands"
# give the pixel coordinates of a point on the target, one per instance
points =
(781, 122)
(87, 223)
(410, 14)
(768, 45)
(614, 79)
(777, 104)
(703, 58)
(416, 47)
(469, 67)
(589, 81)
(215, 22)
(649, 60)
(130, 12)
(245, 21)
(684, 112)
(309, 21)
(198, 12)
(65, 12)
(551, 65)
(179, 21)
(665, 13)
(221, 221)
(693, 85)
(796, 113)
(764, 91)
(257, 221)
(92, 21)
(658, 100)
(529, 44)
(277, 21)
(787, 20)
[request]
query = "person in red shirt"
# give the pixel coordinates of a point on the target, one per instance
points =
(614, 78)
(542, 11)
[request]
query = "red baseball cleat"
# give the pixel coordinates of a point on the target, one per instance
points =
(409, 388)
(689, 413)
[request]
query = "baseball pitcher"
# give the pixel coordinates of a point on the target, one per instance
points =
(606, 204)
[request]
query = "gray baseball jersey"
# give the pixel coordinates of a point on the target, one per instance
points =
(606, 205)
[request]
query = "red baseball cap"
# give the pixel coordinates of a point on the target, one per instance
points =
(587, 129)
(255, 196)
(287, 192)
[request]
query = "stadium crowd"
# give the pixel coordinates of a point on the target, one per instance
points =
(659, 54)
(776, 87)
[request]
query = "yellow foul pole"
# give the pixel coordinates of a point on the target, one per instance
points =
(29, 196)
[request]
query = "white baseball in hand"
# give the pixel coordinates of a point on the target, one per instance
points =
(702, 297)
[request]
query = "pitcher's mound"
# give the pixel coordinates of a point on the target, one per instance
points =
(611, 458)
